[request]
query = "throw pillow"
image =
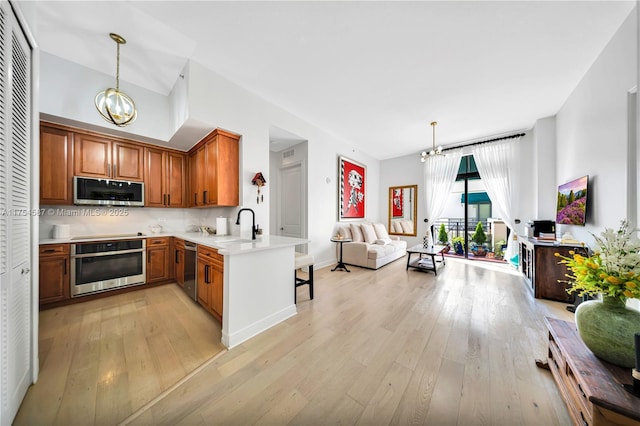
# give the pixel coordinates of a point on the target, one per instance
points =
(344, 231)
(356, 233)
(368, 233)
(381, 231)
(383, 241)
(407, 227)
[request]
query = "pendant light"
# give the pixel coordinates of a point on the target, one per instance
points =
(434, 151)
(115, 106)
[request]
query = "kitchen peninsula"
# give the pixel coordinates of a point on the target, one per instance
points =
(257, 285)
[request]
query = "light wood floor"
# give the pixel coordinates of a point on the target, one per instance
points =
(102, 360)
(385, 347)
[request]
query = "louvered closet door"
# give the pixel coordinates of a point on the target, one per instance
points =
(15, 223)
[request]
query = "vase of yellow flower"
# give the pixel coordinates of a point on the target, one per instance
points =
(607, 326)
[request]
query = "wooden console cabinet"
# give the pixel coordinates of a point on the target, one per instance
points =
(541, 270)
(591, 388)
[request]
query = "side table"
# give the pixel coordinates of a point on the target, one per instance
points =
(340, 264)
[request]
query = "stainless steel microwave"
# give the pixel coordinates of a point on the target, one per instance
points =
(107, 192)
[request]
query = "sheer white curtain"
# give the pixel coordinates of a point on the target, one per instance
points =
(439, 177)
(496, 164)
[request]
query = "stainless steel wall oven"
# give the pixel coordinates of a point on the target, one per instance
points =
(105, 265)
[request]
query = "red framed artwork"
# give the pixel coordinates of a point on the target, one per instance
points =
(397, 207)
(352, 179)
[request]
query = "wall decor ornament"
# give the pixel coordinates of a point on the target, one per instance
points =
(352, 180)
(259, 181)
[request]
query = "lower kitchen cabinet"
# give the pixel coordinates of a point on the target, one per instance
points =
(210, 276)
(54, 273)
(158, 260)
(178, 258)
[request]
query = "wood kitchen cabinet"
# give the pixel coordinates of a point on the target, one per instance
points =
(214, 163)
(541, 269)
(178, 257)
(210, 276)
(158, 259)
(56, 167)
(101, 157)
(165, 178)
(54, 273)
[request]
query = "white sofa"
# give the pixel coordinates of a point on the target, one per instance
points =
(372, 247)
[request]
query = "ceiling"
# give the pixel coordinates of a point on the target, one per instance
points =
(372, 73)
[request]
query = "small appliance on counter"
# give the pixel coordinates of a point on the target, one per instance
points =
(541, 226)
(60, 231)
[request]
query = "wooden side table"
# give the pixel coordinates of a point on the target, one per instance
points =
(591, 388)
(340, 264)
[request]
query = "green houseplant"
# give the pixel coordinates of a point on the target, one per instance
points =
(443, 237)
(479, 237)
(607, 326)
(458, 245)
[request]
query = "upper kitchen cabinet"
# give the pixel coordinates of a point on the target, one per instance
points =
(56, 167)
(165, 178)
(214, 163)
(100, 157)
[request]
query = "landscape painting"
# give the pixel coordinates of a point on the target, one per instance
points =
(572, 202)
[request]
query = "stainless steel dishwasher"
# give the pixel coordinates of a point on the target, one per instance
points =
(190, 284)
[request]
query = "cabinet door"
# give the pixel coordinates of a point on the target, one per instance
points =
(179, 265)
(227, 180)
(154, 195)
(547, 273)
(198, 177)
(217, 278)
(203, 271)
(54, 279)
(92, 156)
(128, 161)
(157, 263)
(56, 166)
(176, 172)
(210, 190)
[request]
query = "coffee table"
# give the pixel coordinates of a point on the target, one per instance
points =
(426, 260)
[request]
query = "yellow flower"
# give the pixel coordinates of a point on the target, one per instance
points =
(613, 280)
(630, 284)
(627, 293)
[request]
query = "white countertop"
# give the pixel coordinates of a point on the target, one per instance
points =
(227, 245)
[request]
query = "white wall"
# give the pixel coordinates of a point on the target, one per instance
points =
(591, 133)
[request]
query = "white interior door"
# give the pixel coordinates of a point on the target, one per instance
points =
(291, 201)
(15, 220)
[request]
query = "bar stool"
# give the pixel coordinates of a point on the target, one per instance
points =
(303, 260)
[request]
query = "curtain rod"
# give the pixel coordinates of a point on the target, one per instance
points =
(486, 141)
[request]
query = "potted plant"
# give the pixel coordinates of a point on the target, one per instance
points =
(498, 250)
(458, 245)
(607, 326)
(443, 237)
(479, 237)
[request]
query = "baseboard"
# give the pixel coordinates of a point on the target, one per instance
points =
(235, 339)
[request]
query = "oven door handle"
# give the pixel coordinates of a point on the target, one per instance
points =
(106, 253)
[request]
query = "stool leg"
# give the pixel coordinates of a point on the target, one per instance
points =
(295, 287)
(311, 282)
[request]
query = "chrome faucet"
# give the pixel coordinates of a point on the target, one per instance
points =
(254, 228)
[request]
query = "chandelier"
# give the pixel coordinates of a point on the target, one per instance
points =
(115, 106)
(434, 151)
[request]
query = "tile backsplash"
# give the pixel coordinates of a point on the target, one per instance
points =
(93, 220)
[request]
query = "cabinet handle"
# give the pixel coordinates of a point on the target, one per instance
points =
(65, 267)
(204, 197)
(115, 168)
(584, 421)
(108, 169)
(195, 198)
(168, 199)
(49, 251)
(581, 391)
(206, 274)
(177, 258)
(164, 199)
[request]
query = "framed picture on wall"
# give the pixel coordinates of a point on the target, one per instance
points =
(352, 179)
